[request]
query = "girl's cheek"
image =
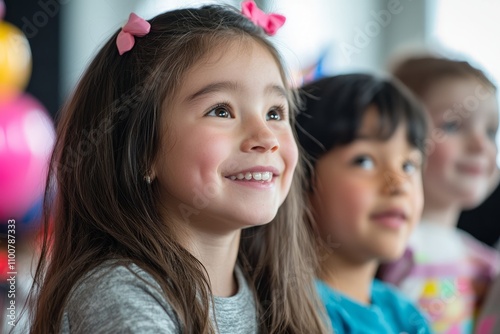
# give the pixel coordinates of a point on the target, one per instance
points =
(418, 199)
(289, 149)
(442, 154)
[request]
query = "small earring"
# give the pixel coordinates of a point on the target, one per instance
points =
(147, 178)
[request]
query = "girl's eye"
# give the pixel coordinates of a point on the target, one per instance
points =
(450, 126)
(275, 114)
(409, 167)
(220, 111)
(364, 162)
(492, 134)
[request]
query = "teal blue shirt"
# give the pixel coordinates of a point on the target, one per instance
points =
(389, 312)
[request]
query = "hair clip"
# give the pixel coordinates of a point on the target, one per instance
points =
(269, 22)
(135, 26)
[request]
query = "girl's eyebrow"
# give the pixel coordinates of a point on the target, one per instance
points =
(233, 86)
(277, 90)
(213, 87)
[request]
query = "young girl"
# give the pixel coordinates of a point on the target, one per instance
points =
(364, 139)
(446, 270)
(173, 155)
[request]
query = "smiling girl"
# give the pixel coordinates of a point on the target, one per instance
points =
(175, 209)
(364, 139)
(446, 270)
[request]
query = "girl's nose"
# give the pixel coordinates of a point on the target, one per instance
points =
(477, 141)
(260, 138)
(394, 183)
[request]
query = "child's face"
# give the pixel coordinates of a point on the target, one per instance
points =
(462, 150)
(368, 194)
(228, 152)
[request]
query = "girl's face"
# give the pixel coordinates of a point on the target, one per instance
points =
(367, 195)
(462, 149)
(227, 153)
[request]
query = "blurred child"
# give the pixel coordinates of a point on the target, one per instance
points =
(364, 139)
(173, 155)
(446, 270)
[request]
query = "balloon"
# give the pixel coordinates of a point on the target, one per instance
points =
(26, 140)
(15, 61)
(4, 262)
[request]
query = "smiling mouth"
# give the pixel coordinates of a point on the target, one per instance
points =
(390, 213)
(471, 170)
(255, 176)
(390, 218)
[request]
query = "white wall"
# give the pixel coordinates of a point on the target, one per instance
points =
(311, 27)
(469, 30)
(84, 26)
(359, 35)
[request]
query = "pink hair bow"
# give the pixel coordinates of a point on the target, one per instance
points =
(135, 26)
(269, 22)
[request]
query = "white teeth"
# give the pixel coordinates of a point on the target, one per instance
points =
(257, 176)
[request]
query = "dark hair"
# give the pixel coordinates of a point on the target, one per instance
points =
(334, 108)
(108, 136)
(420, 73)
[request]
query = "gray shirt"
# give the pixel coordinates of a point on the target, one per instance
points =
(113, 300)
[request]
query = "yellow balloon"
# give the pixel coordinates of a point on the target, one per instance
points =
(15, 61)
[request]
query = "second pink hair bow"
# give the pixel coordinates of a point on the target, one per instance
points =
(135, 26)
(269, 22)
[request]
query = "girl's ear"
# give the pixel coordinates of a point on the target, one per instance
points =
(150, 174)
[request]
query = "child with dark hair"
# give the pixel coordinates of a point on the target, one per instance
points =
(176, 209)
(363, 137)
(445, 270)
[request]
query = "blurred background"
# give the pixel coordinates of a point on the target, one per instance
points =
(338, 35)
(46, 44)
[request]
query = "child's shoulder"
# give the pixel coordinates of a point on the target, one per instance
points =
(385, 294)
(397, 308)
(112, 276)
(481, 254)
(389, 311)
(117, 298)
(382, 294)
(476, 246)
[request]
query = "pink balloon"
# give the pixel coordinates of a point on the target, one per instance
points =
(26, 141)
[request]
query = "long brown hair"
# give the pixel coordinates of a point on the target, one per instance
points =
(108, 137)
